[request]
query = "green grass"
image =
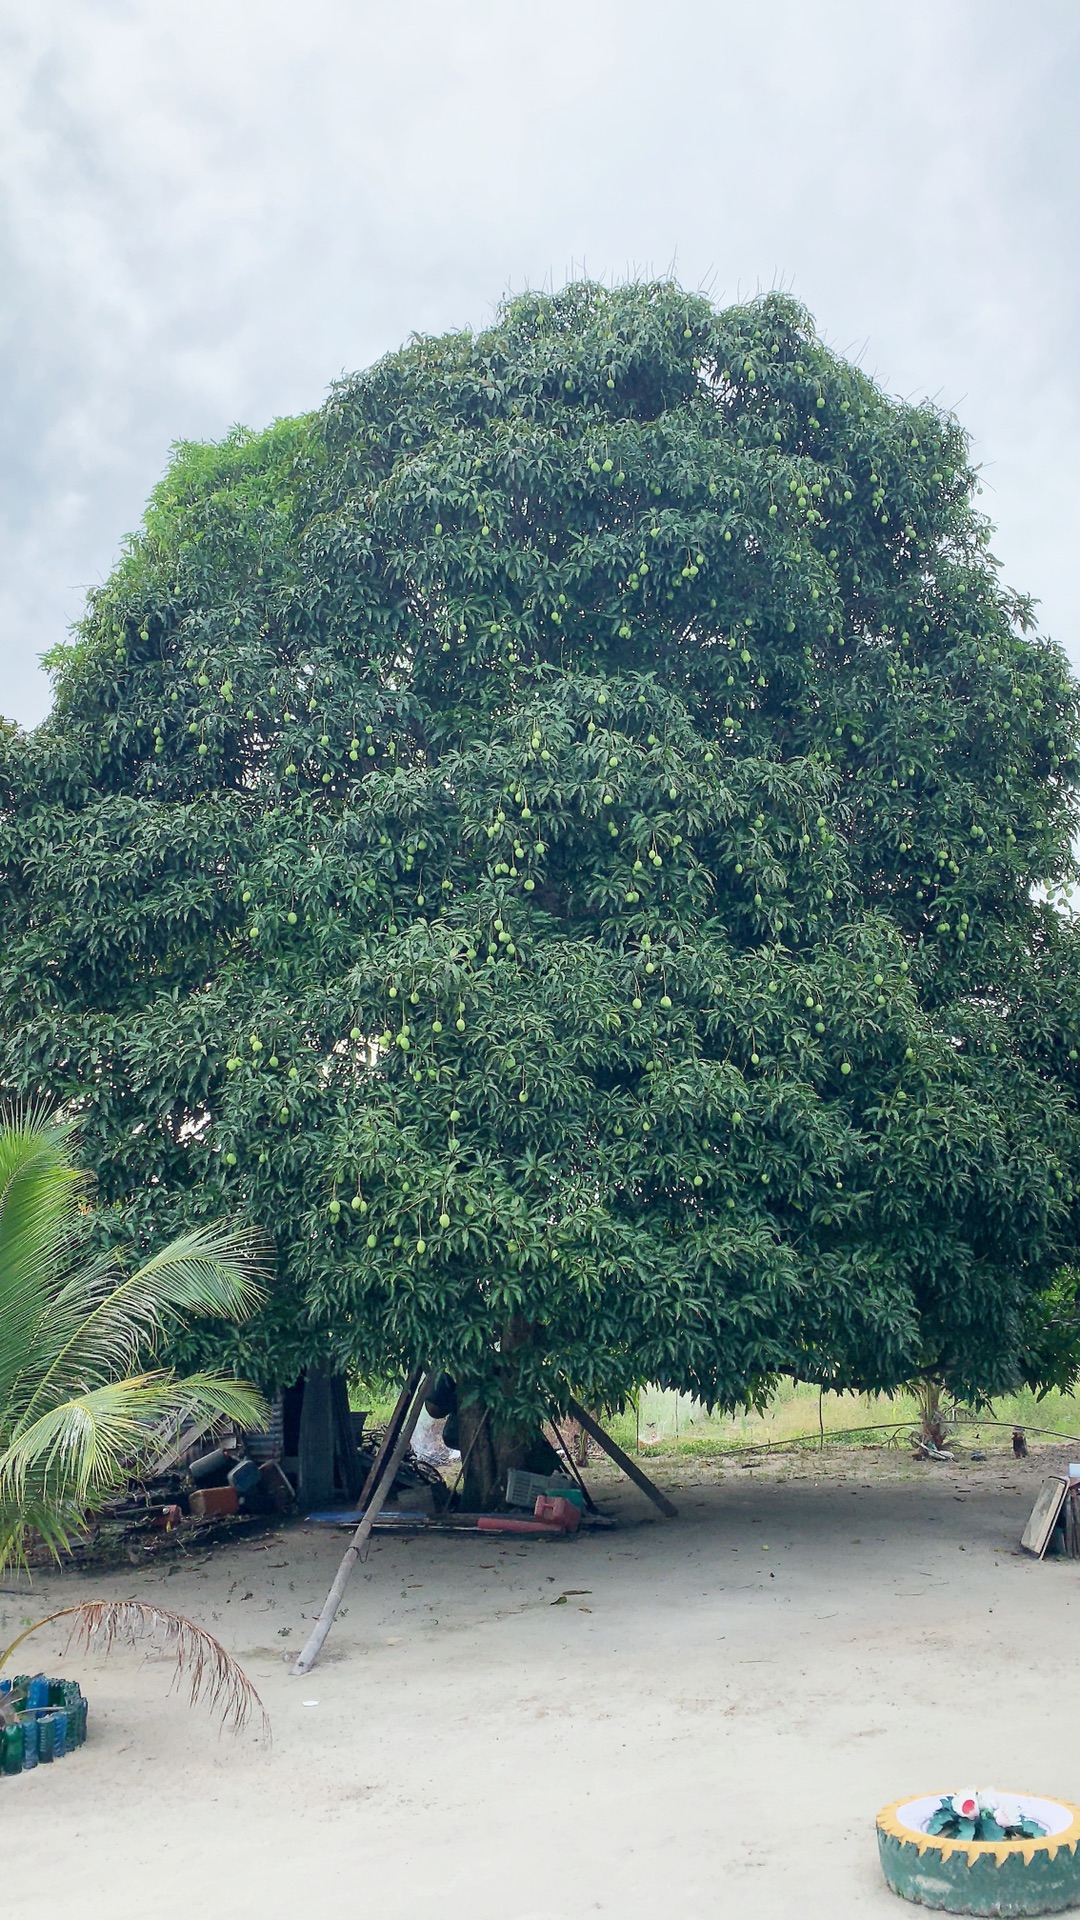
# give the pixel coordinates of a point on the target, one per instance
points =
(673, 1424)
(376, 1398)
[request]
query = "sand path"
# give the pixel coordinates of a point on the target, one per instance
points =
(705, 1732)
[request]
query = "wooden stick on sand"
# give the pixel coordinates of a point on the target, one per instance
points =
(310, 1653)
(623, 1460)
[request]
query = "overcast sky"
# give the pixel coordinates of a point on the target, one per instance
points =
(211, 209)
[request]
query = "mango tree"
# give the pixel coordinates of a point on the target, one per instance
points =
(568, 838)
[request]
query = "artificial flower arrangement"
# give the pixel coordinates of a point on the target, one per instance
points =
(982, 1816)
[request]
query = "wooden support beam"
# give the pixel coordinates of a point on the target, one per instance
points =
(623, 1460)
(310, 1653)
(572, 1463)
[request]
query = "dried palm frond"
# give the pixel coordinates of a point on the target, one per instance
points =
(212, 1673)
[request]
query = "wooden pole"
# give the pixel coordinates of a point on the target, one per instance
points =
(623, 1460)
(307, 1657)
(572, 1464)
(389, 1439)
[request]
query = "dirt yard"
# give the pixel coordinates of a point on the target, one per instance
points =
(695, 1718)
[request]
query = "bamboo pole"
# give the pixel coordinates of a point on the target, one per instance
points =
(623, 1460)
(309, 1654)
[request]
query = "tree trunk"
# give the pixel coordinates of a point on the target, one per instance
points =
(317, 1443)
(928, 1394)
(490, 1450)
(350, 1473)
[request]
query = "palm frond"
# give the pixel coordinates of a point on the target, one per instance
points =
(39, 1197)
(211, 1673)
(211, 1271)
(32, 1342)
(88, 1444)
(56, 1523)
(78, 1409)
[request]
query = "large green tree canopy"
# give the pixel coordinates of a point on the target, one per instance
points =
(565, 837)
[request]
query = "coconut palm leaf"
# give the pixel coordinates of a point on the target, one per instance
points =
(100, 1324)
(79, 1404)
(211, 1673)
(75, 1445)
(39, 1196)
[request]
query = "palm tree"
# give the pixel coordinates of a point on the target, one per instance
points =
(78, 1409)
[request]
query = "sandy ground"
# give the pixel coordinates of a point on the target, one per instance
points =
(704, 1728)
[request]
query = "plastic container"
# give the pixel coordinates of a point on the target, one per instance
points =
(244, 1477)
(524, 1489)
(573, 1494)
(37, 1693)
(558, 1512)
(211, 1503)
(211, 1466)
(46, 1740)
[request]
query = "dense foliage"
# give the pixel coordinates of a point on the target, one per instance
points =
(566, 837)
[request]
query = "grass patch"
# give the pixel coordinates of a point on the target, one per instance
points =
(670, 1424)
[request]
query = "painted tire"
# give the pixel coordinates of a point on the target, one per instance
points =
(982, 1876)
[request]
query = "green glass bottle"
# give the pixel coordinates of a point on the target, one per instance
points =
(11, 1749)
(29, 1725)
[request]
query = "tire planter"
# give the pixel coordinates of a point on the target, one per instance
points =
(982, 1876)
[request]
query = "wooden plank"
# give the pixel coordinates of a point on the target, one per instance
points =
(630, 1467)
(315, 1464)
(196, 1431)
(344, 1442)
(313, 1647)
(572, 1464)
(1043, 1517)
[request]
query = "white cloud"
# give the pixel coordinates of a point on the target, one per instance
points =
(211, 209)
